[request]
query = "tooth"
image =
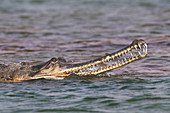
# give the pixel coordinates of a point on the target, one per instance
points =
(78, 68)
(113, 64)
(97, 70)
(131, 54)
(81, 67)
(93, 67)
(71, 70)
(129, 59)
(107, 60)
(145, 48)
(123, 53)
(128, 49)
(139, 53)
(136, 47)
(94, 71)
(108, 57)
(145, 44)
(63, 72)
(102, 71)
(113, 67)
(103, 60)
(116, 55)
(133, 58)
(132, 47)
(89, 65)
(85, 66)
(137, 57)
(74, 69)
(95, 64)
(113, 57)
(116, 64)
(98, 62)
(110, 67)
(139, 46)
(119, 54)
(125, 60)
(119, 62)
(68, 71)
(134, 54)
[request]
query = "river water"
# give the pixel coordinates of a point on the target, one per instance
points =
(81, 30)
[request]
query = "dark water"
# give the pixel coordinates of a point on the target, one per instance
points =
(80, 30)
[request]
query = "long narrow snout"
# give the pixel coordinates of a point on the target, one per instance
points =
(135, 51)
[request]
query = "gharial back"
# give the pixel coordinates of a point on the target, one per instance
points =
(14, 72)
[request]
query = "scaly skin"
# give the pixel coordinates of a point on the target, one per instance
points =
(58, 68)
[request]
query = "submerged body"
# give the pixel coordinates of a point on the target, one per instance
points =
(58, 68)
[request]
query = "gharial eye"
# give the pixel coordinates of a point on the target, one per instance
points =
(53, 59)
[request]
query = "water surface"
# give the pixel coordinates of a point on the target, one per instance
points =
(81, 30)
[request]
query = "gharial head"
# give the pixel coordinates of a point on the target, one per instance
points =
(58, 68)
(49, 69)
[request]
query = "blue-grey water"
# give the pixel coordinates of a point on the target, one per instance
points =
(81, 30)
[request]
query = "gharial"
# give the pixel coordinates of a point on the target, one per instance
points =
(58, 68)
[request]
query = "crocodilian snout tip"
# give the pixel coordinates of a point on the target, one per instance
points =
(141, 47)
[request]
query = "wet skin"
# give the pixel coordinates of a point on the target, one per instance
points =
(58, 68)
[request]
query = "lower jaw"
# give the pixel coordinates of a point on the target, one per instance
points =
(50, 77)
(54, 77)
(106, 67)
(113, 61)
(137, 50)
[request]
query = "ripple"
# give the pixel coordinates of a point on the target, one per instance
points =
(37, 30)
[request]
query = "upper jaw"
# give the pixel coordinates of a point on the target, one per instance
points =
(135, 51)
